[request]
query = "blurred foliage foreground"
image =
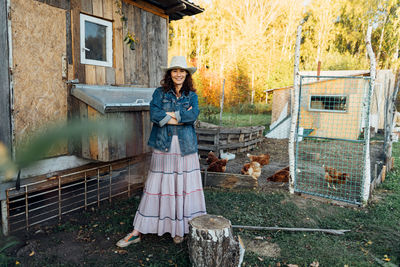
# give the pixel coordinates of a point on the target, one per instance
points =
(38, 146)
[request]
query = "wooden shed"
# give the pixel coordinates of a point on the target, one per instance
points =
(63, 59)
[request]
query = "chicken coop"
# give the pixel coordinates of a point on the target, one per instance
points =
(332, 148)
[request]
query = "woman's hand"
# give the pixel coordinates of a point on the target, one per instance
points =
(173, 121)
(172, 114)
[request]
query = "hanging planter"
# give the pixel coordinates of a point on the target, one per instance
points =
(130, 40)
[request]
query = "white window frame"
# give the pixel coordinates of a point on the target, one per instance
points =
(328, 110)
(109, 44)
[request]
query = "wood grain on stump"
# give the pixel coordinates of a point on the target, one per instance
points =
(211, 242)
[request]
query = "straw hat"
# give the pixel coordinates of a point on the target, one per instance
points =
(179, 62)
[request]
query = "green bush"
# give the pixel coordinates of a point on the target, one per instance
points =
(257, 108)
(209, 113)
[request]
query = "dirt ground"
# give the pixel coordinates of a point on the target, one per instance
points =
(279, 159)
(85, 238)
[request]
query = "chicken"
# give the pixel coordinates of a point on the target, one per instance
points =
(211, 157)
(263, 159)
(253, 169)
(281, 176)
(218, 166)
(334, 176)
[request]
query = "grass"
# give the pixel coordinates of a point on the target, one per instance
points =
(374, 236)
(239, 120)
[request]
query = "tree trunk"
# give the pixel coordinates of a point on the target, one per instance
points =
(211, 242)
(367, 163)
(294, 107)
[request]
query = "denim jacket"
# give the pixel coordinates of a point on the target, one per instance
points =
(161, 132)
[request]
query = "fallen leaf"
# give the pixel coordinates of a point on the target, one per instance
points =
(292, 265)
(386, 258)
(121, 251)
(17, 263)
(121, 223)
(32, 253)
(260, 259)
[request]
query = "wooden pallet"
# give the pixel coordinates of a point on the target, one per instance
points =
(240, 139)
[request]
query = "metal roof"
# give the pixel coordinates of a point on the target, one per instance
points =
(334, 73)
(106, 98)
(177, 9)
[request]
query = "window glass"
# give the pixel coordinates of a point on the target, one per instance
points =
(95, 41)
(328, 103)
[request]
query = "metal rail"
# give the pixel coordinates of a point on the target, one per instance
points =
(38, 205)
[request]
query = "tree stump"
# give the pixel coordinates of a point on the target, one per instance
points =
(211, 242)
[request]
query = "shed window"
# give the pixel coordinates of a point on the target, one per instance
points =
(337, 103)
(96, 41)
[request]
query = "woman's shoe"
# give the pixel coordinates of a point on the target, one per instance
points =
(178, 239)
(129, 239)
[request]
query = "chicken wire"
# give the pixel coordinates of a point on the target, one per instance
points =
(331, 143)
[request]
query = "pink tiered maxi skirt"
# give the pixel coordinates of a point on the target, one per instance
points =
(173, 193)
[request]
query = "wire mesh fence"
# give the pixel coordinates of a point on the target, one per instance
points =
(331, 143)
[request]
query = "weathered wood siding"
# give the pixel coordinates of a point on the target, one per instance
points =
(139, 67)
(39, 43)
(105, 148)
(5, 109)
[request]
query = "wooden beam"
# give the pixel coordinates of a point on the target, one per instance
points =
(148, 7)
(78, 68)
(176, 8)
(118, 47)
(5, 105)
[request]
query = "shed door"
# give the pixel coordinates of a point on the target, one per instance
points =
(38, 47)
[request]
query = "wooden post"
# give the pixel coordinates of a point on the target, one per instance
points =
(220, 118)
(4, 217)
(211, 242)
(390, 123)
(294, 107)
(319, 70)
(367, 163)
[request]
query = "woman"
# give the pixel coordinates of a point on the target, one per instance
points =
(173, 192)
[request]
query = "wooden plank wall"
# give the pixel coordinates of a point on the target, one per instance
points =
(142, 65)
(5, 108)
(139, 67)
(98, 147)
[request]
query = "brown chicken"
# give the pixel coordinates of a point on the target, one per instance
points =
(281, 176)
(211, 157)
(263, 159)
(253, 169)
(334, 176)
(218, 166)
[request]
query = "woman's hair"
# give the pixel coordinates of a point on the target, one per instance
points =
(168, 84)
